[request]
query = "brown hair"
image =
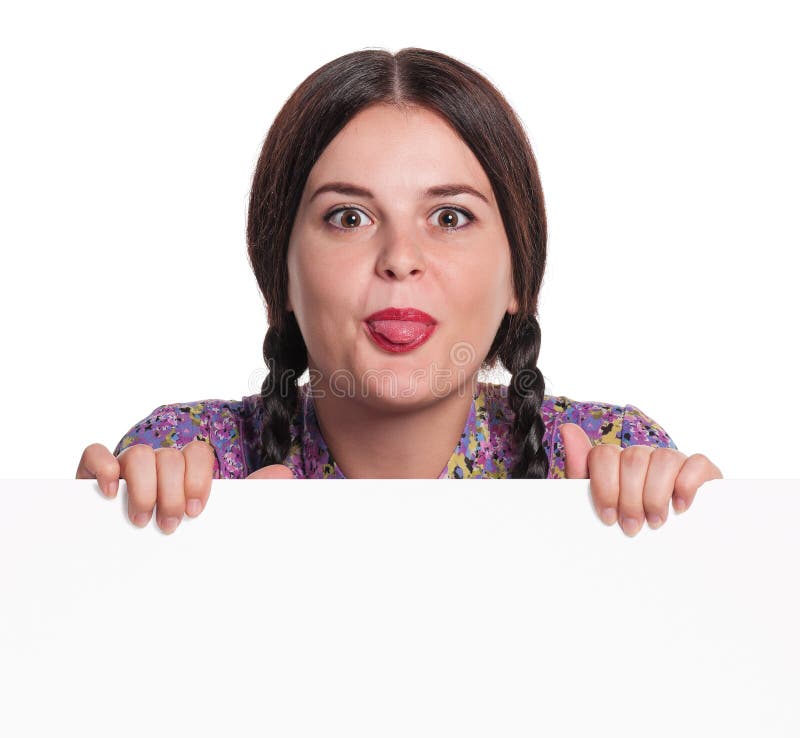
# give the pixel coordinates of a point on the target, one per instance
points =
(312, 116)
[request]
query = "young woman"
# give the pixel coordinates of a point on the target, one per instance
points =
(397, 231)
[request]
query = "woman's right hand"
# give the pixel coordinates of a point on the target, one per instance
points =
(179, 481)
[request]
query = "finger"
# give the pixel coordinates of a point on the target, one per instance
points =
(603, 463)
(97, 462)
(576, 447)
(665, 463)
(170, 468)
(273, 471)
(633, 464)
(198, 474)
(695, 470)
(138, 468)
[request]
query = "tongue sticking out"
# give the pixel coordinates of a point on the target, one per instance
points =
(399, 331)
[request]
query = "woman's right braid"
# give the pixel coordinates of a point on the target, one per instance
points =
(286, 358)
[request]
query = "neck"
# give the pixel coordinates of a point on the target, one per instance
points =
(371, 441)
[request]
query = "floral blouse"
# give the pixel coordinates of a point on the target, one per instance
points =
(486, 448)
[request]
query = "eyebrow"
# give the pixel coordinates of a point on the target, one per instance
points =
(445, 190)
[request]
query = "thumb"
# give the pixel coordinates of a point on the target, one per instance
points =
(576, 451)
(273, 471)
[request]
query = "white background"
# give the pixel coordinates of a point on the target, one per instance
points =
(666, 136)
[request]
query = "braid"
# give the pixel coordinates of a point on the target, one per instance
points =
(286, 358)
(526, 394)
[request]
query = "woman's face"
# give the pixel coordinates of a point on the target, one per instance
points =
(395, 244)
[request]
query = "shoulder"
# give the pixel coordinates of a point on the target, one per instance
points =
(177, 424)
(603, 422)
(621, 425)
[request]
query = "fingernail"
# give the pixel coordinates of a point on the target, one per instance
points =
(609, 515)
(193, 507)
(111, 488)
(141, 519)
(654, 521)
(169, 524)
(630, 525)
(680, 504)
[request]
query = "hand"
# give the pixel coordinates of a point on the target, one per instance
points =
(634, 482)
(179, 480)
(273, 471)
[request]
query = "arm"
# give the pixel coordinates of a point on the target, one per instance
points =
(639, 429)
(604, 423)
(216, 422)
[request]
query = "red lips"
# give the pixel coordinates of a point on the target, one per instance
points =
(400, 329)
(392, 313)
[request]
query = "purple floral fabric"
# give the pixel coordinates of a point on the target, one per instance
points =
(486, 448)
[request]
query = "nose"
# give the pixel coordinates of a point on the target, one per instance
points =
(400, 258)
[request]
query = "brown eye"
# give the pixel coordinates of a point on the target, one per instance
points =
(448, 218)
(349, 218)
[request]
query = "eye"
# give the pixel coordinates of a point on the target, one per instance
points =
(352, 221)
(445, 221)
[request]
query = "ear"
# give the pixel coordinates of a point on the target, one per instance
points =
(513, 305)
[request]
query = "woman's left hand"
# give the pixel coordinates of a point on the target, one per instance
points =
(632, 483)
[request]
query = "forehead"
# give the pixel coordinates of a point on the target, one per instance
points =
(389, 148)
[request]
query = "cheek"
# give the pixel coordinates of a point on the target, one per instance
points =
(317, 289)
(478, 299)
(310, 282)
(324, 300)
(481, 288)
